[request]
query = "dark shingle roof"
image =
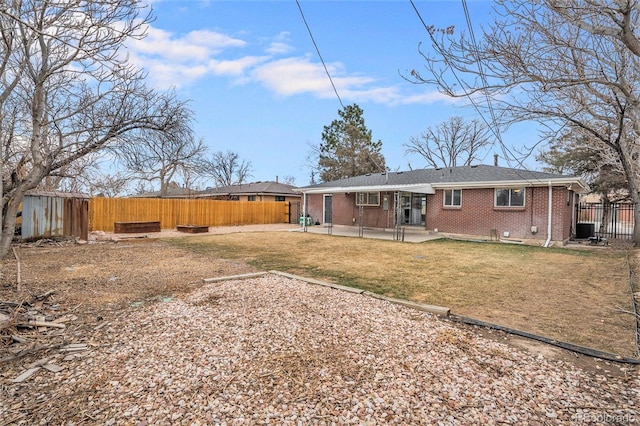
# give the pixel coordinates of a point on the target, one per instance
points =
(272, 188)
(55, 194)
(446, 175)
(172, 192)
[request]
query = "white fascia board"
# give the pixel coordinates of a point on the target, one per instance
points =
(211, 194)
(423, 188)
(577, 185)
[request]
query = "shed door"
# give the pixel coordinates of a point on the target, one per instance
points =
(328, 209)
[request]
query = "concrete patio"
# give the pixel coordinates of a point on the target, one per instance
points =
(406, 234)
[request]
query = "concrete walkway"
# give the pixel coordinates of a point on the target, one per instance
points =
(410, 234)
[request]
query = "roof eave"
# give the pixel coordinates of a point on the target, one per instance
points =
(420, 187)
(572, 183)
(575, 184)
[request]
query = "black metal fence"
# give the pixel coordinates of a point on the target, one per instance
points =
(611, 221)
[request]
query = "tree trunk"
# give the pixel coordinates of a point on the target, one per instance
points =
(9, 217)
(636, 222)
(14, 204)
(606, 215)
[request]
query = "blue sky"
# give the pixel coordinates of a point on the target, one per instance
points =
(258, 87)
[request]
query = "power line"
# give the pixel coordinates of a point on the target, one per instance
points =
(480, 69)
(319, 55)
(505, 150)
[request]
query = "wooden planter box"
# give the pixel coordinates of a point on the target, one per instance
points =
(135, 227)
(192, 229)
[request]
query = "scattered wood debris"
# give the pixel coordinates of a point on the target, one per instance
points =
(25, 375)
(31, 326)
(21, 318)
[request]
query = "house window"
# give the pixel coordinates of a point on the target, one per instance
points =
(280, 198)
(251, 197)
(452, 197)
(513, 197)
(368, 199)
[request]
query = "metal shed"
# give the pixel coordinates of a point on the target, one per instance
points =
(55, 214)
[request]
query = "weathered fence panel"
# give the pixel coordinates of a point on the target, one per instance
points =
(104, 212)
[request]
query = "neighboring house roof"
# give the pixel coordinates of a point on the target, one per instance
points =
(254, 188)
(172, 192)
(428, 180)
(55, 194)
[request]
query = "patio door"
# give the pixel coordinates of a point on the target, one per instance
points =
(413, 209)
(418, 209)
(328, 209)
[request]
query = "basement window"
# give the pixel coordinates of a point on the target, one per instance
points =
(368, 199)
(512, 197)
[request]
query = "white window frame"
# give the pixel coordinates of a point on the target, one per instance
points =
(509, 203)
(444, 198)
(370, 199)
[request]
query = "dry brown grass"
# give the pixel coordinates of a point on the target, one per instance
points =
(569, 295)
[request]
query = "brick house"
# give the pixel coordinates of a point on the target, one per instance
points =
(484, 201)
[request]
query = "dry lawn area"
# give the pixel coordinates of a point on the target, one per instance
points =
(572, 295)
(159, 346)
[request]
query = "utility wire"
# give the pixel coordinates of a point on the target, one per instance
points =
(319, 55)
(480, 69)
(439, 49)
(505, 150)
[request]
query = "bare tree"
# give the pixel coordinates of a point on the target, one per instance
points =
(573, 153)
(163, 155)
(76, 93)
(568, 65)
(226, 168)
(288, 180)
(451, 143)
(109, 185)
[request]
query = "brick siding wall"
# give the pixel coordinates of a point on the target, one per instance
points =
(476, 216)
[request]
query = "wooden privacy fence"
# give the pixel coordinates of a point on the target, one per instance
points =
(104, 212)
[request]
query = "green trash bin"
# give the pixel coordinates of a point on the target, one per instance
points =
(302, 221)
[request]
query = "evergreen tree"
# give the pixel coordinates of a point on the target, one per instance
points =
(347, 147)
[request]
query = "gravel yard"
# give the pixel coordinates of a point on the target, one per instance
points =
(148, 343)
(273, 350)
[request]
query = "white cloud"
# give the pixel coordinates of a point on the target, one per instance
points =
(195, 45)
(176, 61)
(280, 45)
(298, 75)
(292, 76)
(429, 97)
(279, 48)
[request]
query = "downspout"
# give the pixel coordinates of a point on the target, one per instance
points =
(550, 216)
(304, 212)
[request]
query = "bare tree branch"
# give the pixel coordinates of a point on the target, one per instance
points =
(75, 93)
(453, 142)
(226, 168)
(568, 65)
